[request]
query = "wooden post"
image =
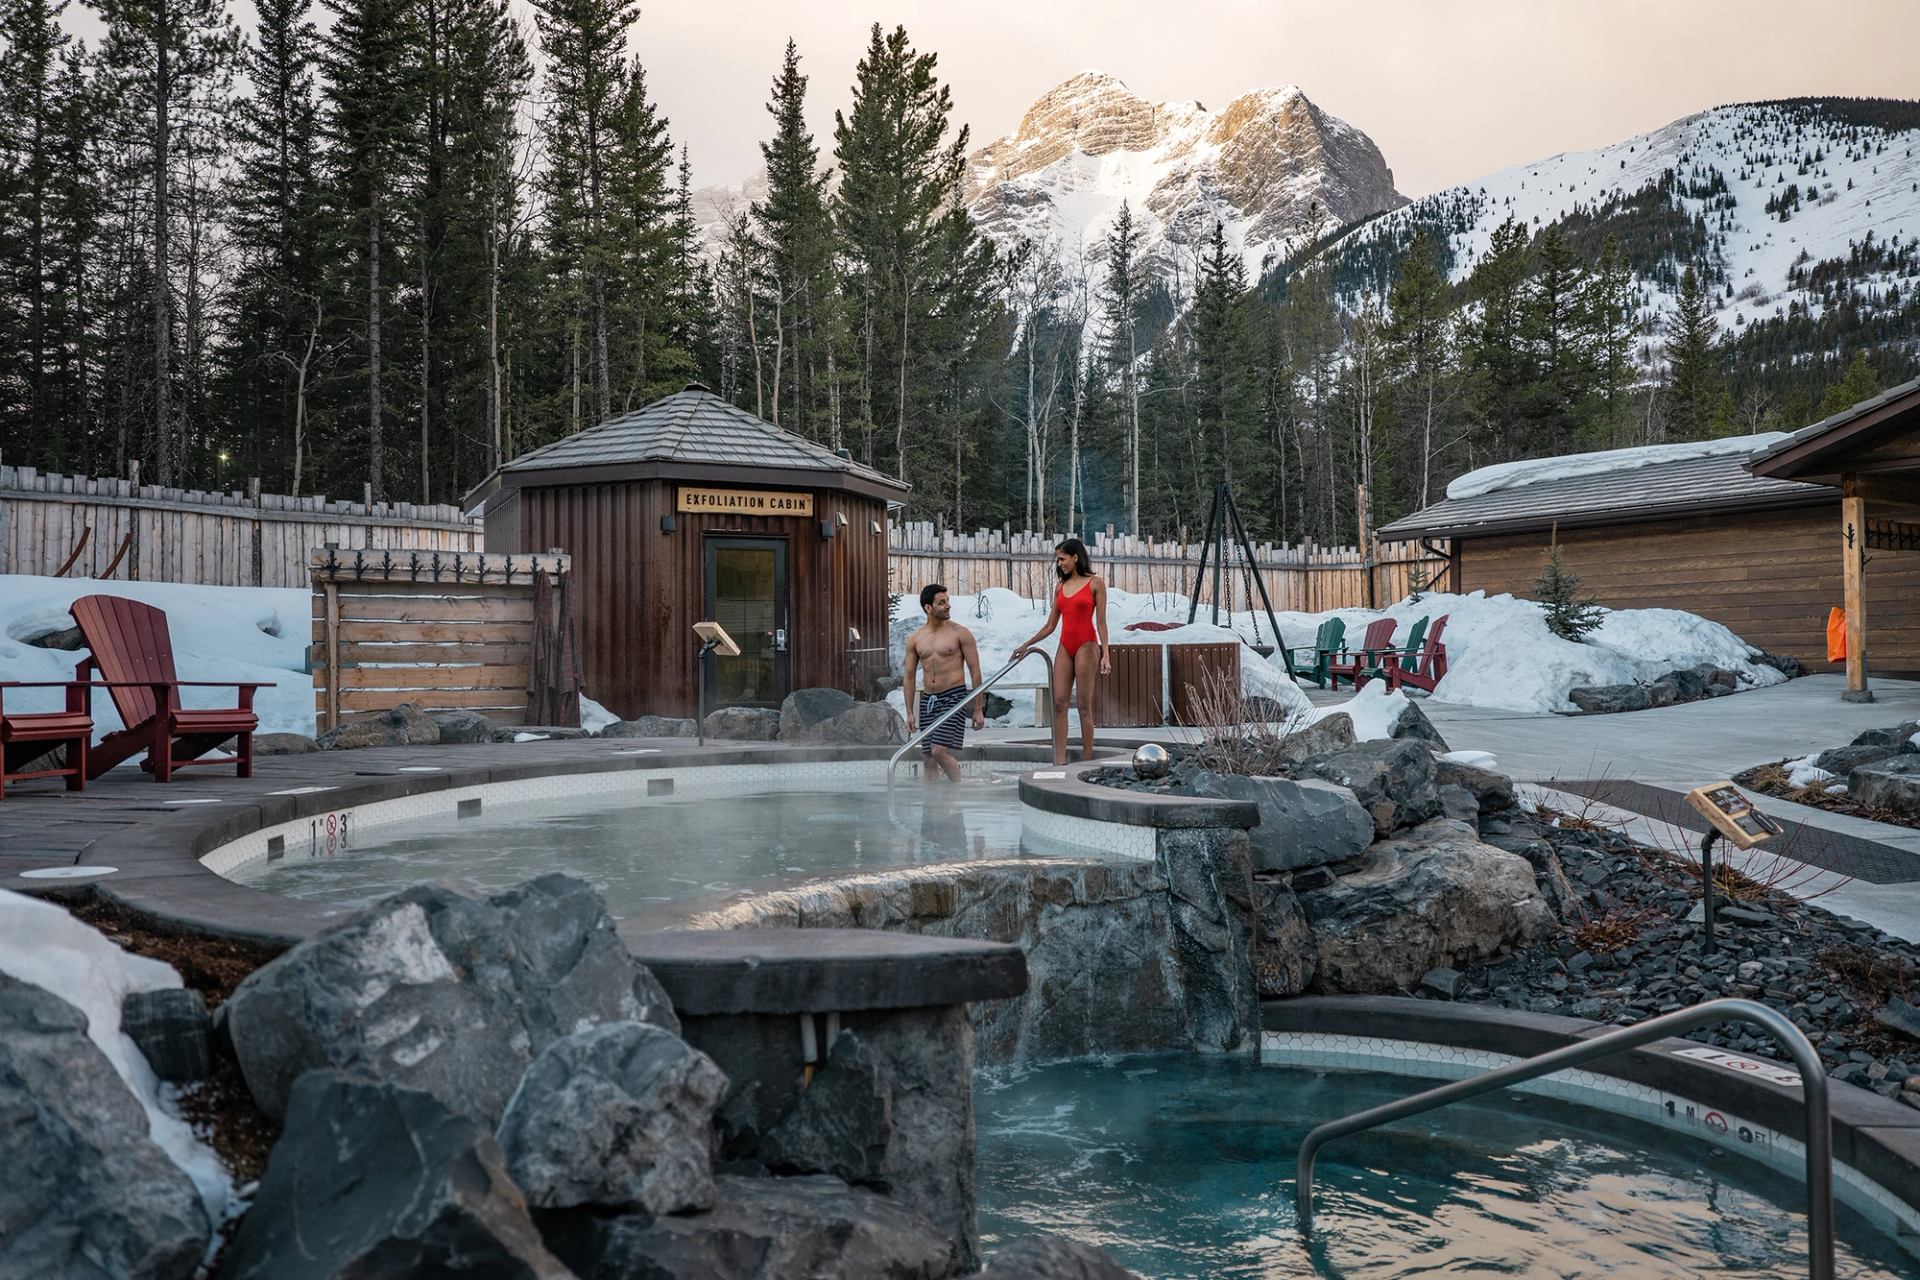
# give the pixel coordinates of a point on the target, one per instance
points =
(333, 653)
(259, 564)
(1853, 521)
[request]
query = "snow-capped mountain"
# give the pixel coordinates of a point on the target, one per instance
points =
(1273, 169)
(1760, 195)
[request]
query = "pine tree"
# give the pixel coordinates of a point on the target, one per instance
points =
(1495, 349)
(1420, 333)
(1555, 327)
(915, 265)
(371, 123)
(171, 61)
(793, 226)
(275, 224)
(586, 82)
(1612, 328)
(1567, 615)
(1221, 339)
(642, 286)
(1692, 380)
(1856, 384)
(1125, 300)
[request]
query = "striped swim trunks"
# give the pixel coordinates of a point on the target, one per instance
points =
(951, 735)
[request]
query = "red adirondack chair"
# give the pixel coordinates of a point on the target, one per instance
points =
(1360, 665)
(134, 653)
(25, 736)
(1425, 669)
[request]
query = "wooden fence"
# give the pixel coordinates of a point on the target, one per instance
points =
(1302, 578)
(75, 526)
(444, 631)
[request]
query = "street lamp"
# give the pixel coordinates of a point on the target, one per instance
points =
(220, 472)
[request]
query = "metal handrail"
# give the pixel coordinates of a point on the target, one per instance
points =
(1813, 1082)
(964, 703)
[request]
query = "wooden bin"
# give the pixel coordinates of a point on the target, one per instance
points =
(1130, 696)
(1191, 666)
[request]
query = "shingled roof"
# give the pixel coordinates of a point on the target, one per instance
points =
(1653, 491)
(695, 431)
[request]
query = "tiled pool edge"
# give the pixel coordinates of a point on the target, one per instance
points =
(1876, 1141)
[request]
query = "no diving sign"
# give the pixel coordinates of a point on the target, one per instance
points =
(1771, 1072)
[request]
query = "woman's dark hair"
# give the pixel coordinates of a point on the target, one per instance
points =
(1078, 550)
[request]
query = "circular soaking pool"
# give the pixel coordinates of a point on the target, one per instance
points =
(1182, 1166)
(646, 839)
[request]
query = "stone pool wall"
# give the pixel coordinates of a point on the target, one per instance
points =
(1122, 954)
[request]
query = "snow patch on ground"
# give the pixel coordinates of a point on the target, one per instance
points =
(1805, 773)
(1374, 710)
(594, 717)
(1514, 475)
(42, 944)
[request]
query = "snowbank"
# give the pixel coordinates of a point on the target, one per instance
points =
(1512, 475)
(42, 944)
(219, 633)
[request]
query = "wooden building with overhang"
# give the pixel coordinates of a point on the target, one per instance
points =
(690, 509)
(1760, 539)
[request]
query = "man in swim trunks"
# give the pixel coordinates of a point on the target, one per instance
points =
(942, 653)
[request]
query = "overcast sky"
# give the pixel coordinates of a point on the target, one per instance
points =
(1448, 89)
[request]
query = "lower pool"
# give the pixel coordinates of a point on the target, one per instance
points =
(1182, 1166)
(703, 840)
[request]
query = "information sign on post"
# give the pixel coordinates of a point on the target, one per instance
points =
(1733, 819)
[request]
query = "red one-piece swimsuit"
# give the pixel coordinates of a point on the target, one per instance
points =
(1076, 619)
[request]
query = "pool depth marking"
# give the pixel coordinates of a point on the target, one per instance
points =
(1770, 1072)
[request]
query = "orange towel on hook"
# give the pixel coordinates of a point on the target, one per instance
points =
(1836, 635)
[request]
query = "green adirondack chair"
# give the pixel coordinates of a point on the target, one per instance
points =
(1328, 641)
(1408, 657)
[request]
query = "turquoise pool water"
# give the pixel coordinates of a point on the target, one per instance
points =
(1182, 1166)
(645, 854)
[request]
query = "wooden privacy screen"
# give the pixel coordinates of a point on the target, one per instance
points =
(1191, 667)
(1130, 696)
(444, 631)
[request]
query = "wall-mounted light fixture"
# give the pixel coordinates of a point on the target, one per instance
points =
(668, 524)
(874, 525)
(840, 518)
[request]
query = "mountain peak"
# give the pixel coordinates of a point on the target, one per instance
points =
(1270, 167)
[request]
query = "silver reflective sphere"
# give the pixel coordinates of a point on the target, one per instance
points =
(1151, 761)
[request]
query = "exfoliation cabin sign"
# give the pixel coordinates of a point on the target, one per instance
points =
(744, 502)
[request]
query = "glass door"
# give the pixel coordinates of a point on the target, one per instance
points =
(747, 594)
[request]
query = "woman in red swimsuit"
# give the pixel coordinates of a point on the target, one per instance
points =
(1080, 611)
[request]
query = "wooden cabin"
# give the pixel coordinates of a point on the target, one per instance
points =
(690, 509)
(1755, 539)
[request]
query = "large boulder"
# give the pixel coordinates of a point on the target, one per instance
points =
(170, 1028)
(1607, 699)
(651, 727)
(842, 1124)
(866, 724)
(1892, 783)
(440, 991)
(1433, 898)
(1844, 760)
(618, 1116)
(1323, 737)
(1413, 723)
(1899, 736)
(1391, 778)
(402, 726)
(371, 1179)
(1284, 953)
(761, 1228)
(744, 724)
(87, 1194)
(1055, 1258)
(1302, 824)
(804, 708)
(1492, 790)
(464, 727)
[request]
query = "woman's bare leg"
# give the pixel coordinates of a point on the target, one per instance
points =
(1062, 701)
(1086, 675)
